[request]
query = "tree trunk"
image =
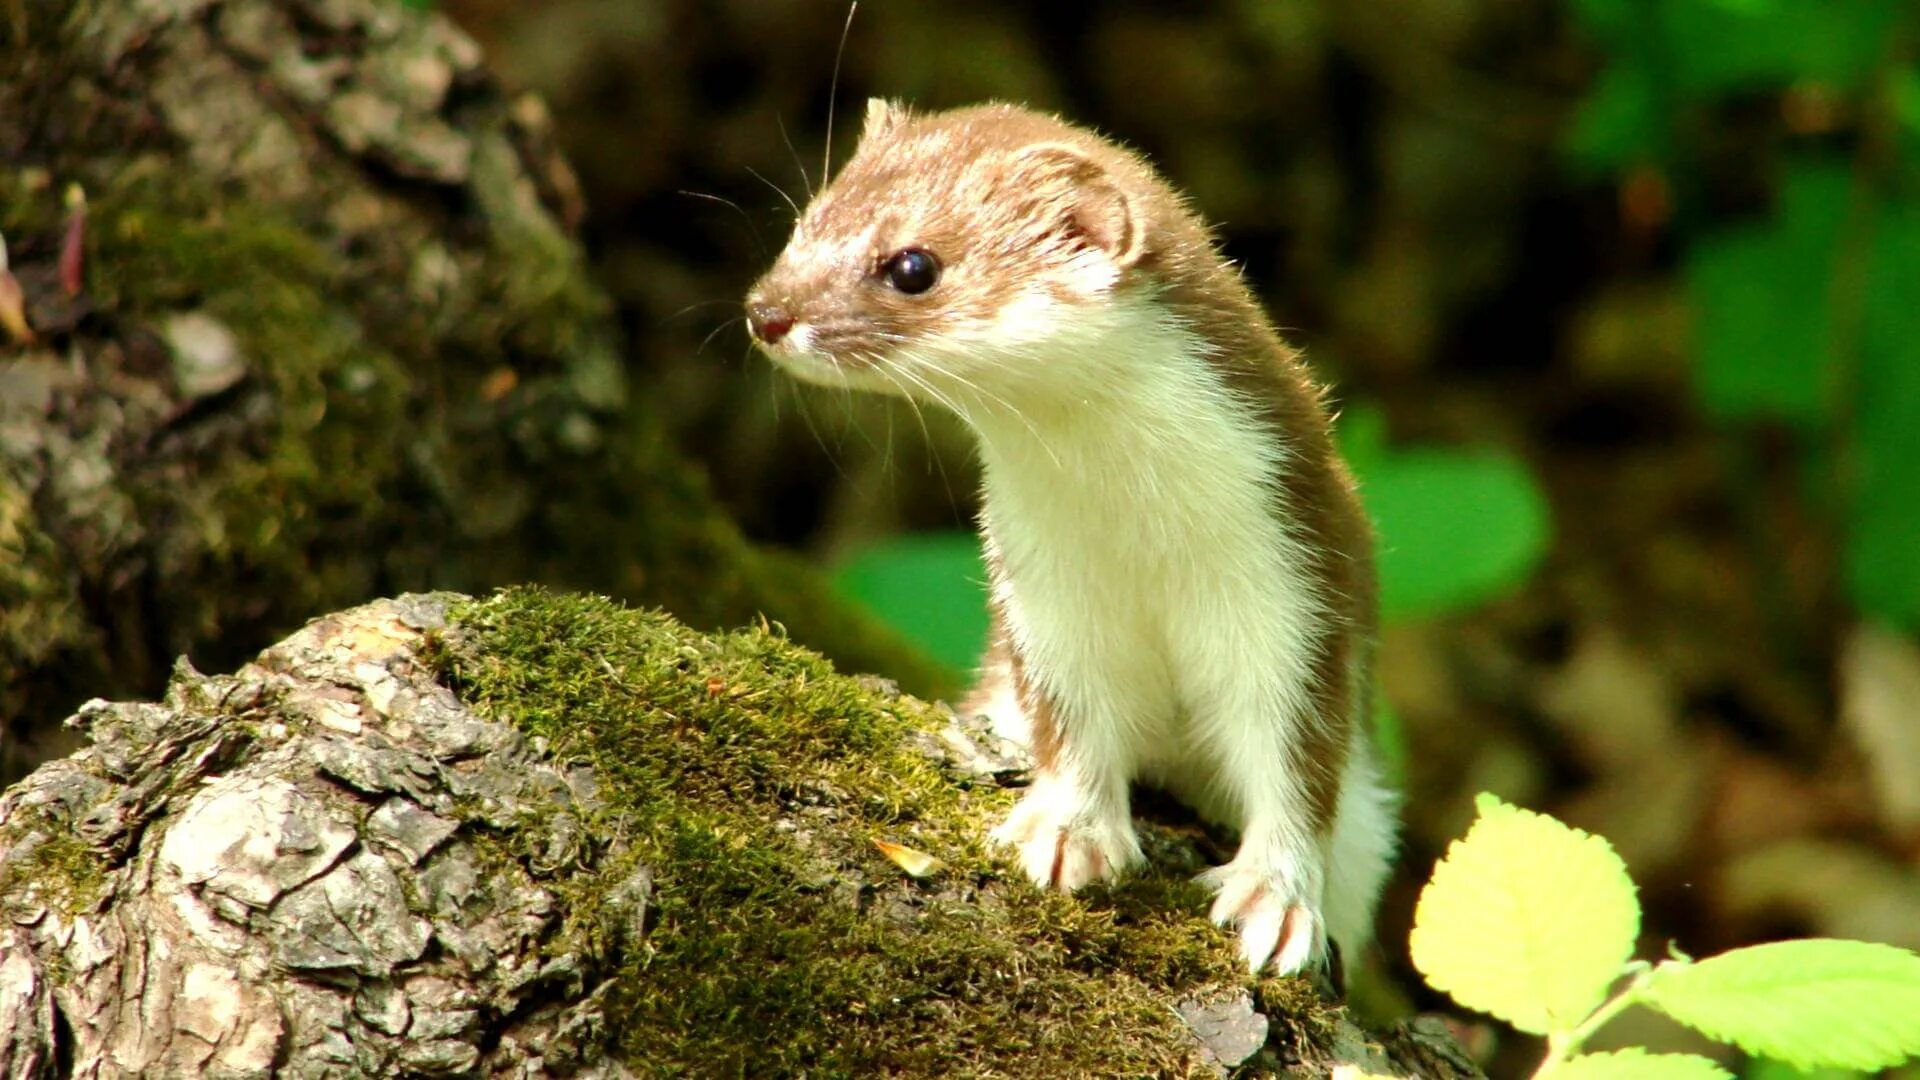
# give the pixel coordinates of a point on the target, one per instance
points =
(292, 315)
(297, 318)
(544, 835)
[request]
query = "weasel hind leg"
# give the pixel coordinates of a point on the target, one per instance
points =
(1288, 893)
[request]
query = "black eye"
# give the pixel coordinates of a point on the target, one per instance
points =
(912, 271)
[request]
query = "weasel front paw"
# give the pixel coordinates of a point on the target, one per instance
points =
(1278, 916)
(1063, 843)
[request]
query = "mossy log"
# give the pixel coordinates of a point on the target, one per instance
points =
(544, 834)
(300, 319)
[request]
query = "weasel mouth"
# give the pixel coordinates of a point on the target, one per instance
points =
(795, 352)
(797, 346)
(800, 355)
(800, 338)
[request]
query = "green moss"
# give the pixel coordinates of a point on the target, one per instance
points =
(49, 865)
(39, 608)
(334, 442)
(750, 778)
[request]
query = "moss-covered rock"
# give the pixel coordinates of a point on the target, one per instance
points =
(757, 781)
(547, 832)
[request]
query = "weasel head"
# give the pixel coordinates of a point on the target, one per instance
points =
(959, 255)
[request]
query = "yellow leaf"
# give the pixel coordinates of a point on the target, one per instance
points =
(1527, 919)
(917, 864)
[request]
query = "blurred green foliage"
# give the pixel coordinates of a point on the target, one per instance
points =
(1457, 527)
(931, 586)
(1808, 317)
(1670, 58)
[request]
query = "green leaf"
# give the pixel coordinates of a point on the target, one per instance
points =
(1620, 121)
(929, 586)
(1715, 47)
(1764, 331)
(1456, 527)
(1527, 919)
(1906, 99)
(1765, 348)
(1634, 1063)
(1360, 431)
(1769, 1069)
(1616, 23)
(1881, 571)
(1820, 1002)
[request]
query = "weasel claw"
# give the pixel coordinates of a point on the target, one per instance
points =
(1062, 850)
(1277, 933)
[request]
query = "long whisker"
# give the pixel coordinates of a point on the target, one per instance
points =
(886, 454)
(806, 182)
(995, 398)
(926, 436)
(715, 332)
(895, 377)
(753, 230)
(939, 396)
(696, 306)
(806, 417)
(853, 419)
(833, 92)
(777, 188)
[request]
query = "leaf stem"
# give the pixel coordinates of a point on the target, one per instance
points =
(1563, 1045)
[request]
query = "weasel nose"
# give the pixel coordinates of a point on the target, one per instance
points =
(769, 322)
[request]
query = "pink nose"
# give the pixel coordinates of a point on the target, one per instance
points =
(768, 322)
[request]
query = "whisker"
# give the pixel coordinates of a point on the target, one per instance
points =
(806, 182)
(695, 306)
(759, 242)
(995, 398)
(926, 436)
(833, 93)
(886, 452)
(895, 376)
(773, 389)
(755, 173)
(806, 417)
(715, 332)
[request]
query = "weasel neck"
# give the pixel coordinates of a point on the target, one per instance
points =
(1132, 400)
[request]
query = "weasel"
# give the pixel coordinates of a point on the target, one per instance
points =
(1181, 576)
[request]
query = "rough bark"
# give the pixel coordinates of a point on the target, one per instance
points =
(543, 835)
(305, 322)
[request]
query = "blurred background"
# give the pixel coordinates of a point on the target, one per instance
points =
(1621, 301)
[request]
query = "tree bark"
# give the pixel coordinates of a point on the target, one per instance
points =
(344, 860)
(301, 320)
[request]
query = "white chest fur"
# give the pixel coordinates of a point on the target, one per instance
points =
(1150, 577)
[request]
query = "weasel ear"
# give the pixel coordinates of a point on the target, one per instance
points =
(1093, 204)
(883, 117)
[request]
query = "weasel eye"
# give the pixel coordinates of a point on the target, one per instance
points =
(912, 271)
